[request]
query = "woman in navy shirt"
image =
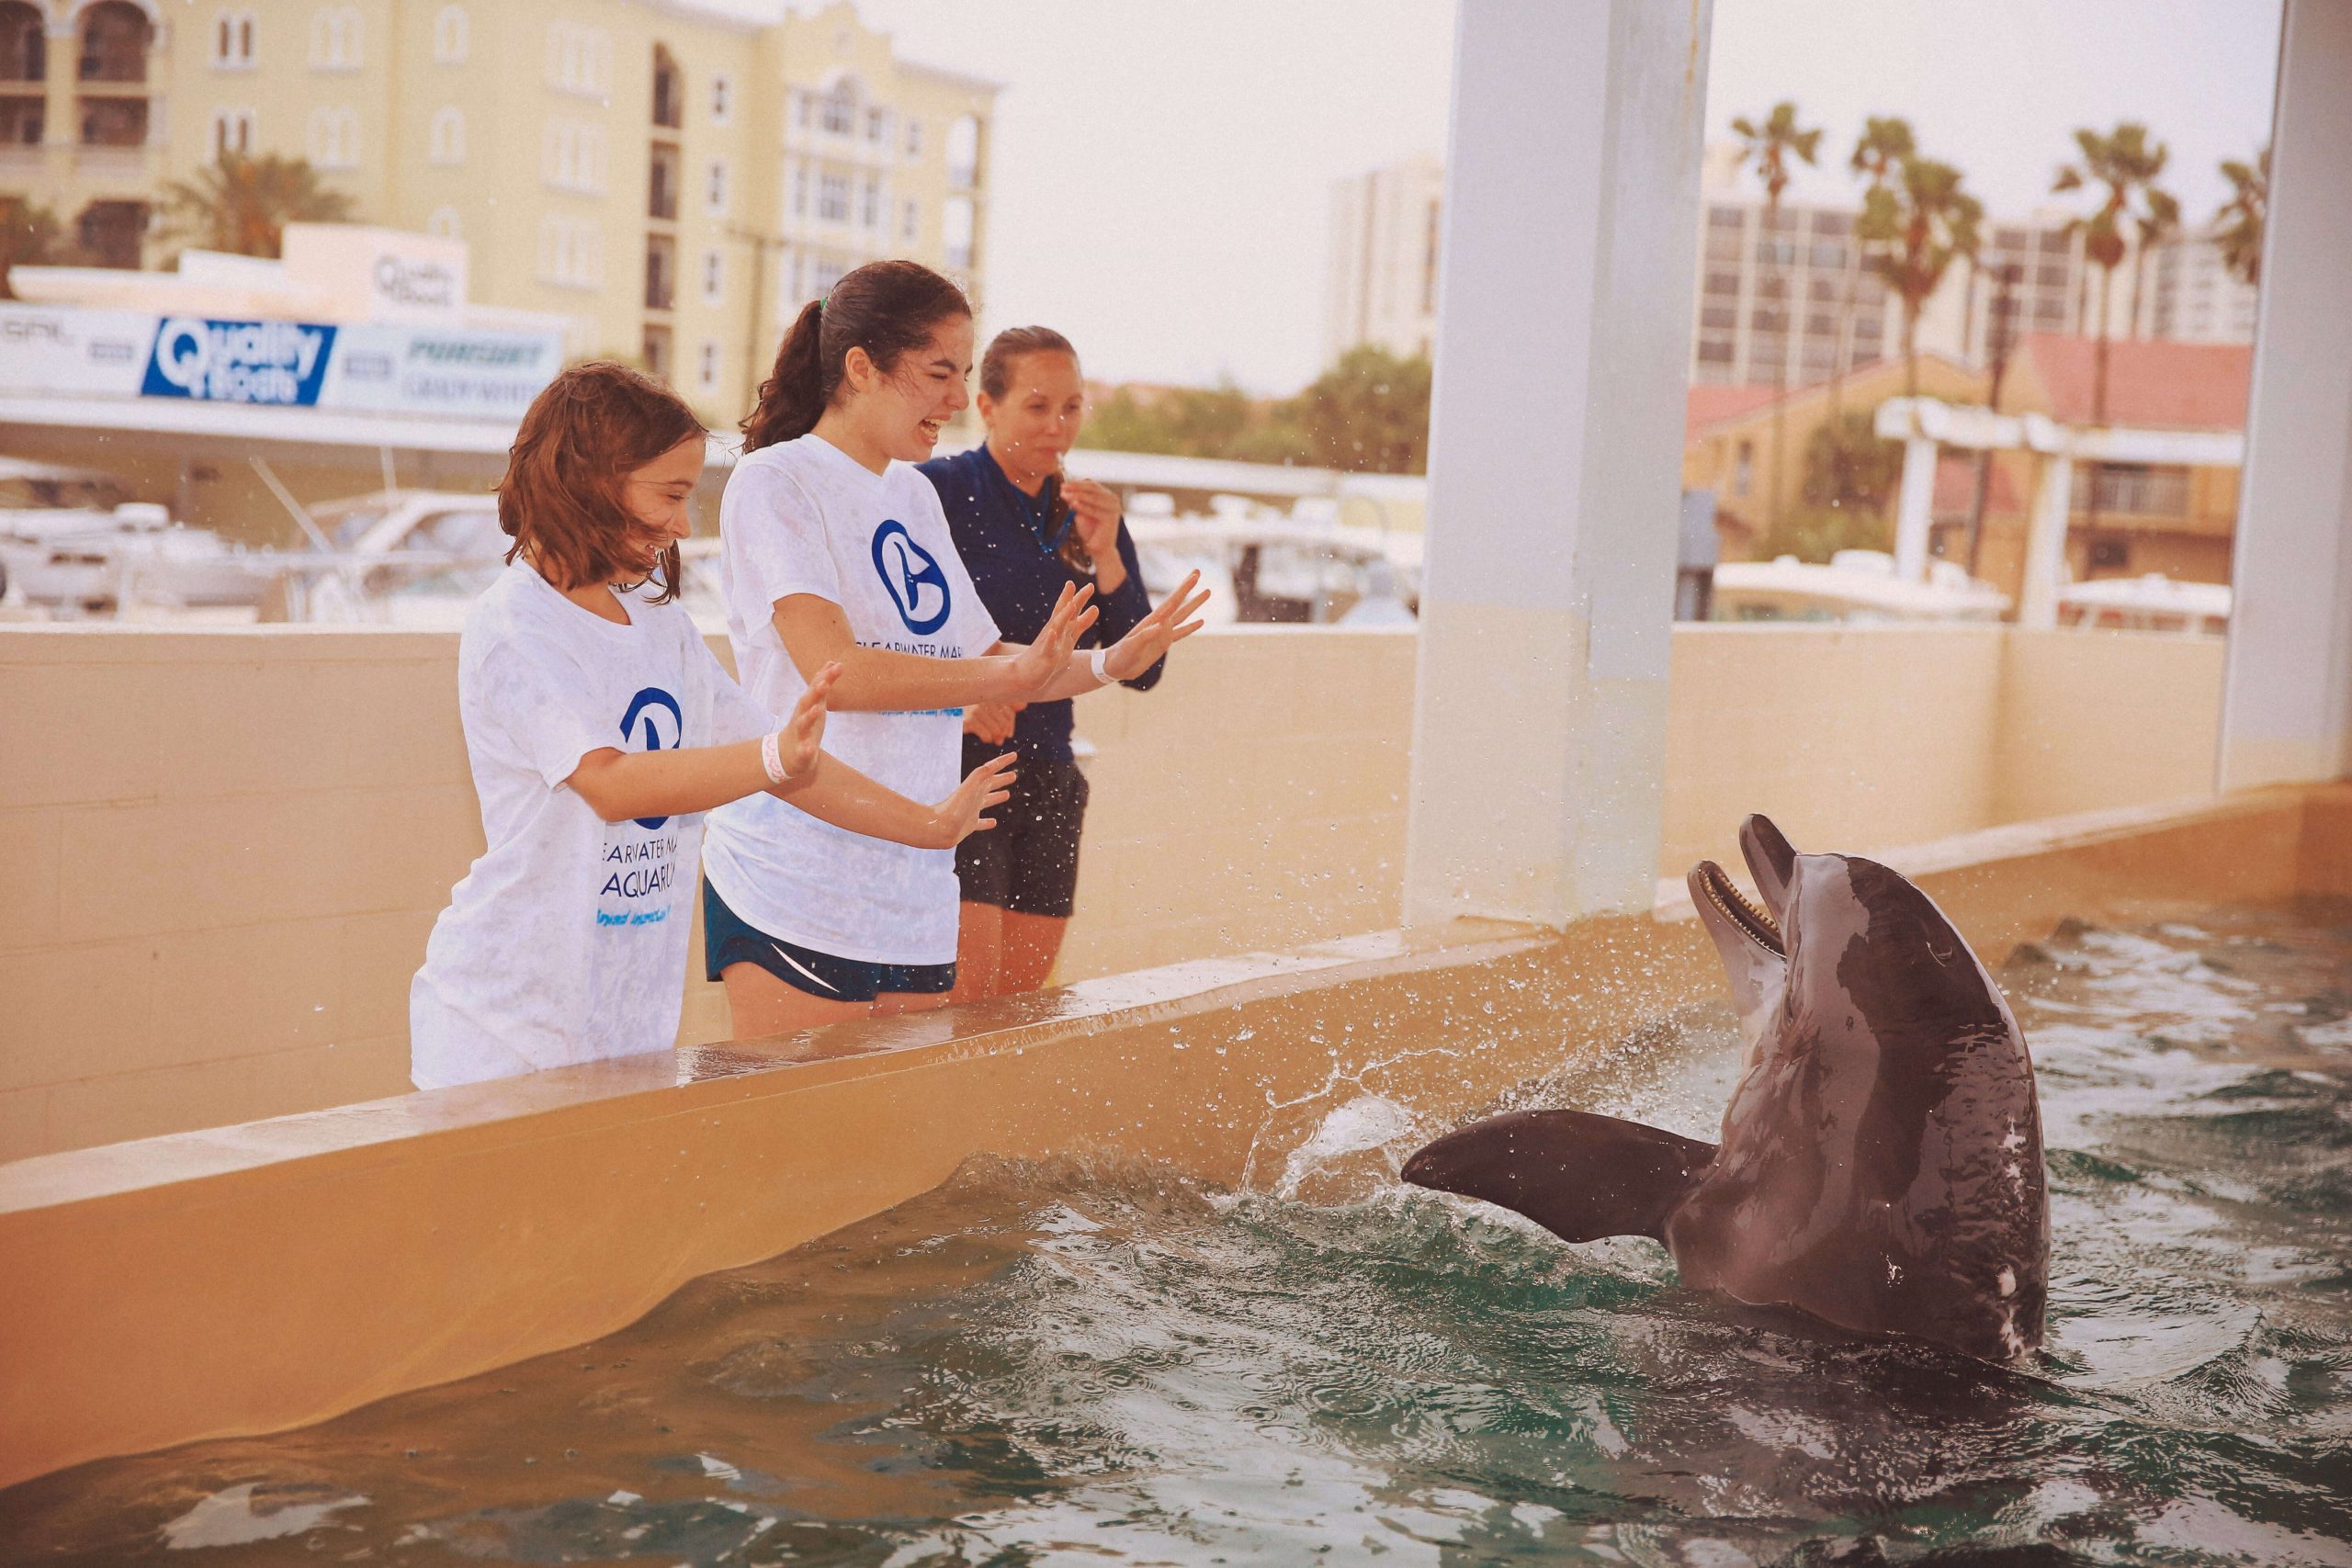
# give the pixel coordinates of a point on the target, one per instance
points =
(1024, 530)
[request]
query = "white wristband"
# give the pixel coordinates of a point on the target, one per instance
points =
(1100, 663)
(772, 756)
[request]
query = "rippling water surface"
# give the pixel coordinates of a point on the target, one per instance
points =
(1075, 1363)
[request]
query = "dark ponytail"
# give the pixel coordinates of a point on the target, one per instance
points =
(887, 308)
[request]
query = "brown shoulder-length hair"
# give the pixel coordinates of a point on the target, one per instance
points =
(887, 308)
(586, 432)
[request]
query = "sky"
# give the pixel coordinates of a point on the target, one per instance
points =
(1160, 173)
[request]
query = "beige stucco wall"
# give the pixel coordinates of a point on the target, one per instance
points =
(227, 846)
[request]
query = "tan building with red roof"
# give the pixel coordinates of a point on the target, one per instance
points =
(2177, 521)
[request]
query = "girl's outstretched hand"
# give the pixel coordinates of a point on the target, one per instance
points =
(803, 733)
(1165, 627)
(959, 816)
(1038, 665)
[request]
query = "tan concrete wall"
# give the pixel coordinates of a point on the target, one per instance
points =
(227, 846)
(2096, 719)
(1859, 737)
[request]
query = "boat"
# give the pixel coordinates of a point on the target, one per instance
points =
(79, 559)
(1854, 585)
(2152, 601)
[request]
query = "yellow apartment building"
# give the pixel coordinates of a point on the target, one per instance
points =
(674, 179)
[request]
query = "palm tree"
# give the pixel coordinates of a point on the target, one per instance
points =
(2157, 224)
(242, 205)
(2238, 227)
(1770, 146)
(1885, 143)
(2127, 165)
(1915, 227)
(31, 235)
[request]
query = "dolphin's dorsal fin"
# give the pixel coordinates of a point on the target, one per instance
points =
(1580, 1177)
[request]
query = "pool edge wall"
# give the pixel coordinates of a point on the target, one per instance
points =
(260, 1277)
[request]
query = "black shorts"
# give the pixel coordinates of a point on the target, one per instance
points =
(1028, 862)
(728, 938)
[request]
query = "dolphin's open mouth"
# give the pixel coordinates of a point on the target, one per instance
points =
(1760, 927)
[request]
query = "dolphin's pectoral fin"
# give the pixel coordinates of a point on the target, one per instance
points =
(1578, 1176)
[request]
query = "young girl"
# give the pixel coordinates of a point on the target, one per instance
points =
(833, 550)
(599, 728)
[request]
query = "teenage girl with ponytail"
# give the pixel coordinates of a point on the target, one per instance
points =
(833, 550)
(599, 729)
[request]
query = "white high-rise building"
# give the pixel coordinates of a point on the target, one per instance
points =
(2193, 295)
(1383, 270)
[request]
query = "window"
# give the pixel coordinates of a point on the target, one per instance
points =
(2134, 487)
(571, 253)
(114, 122)
(446, 146)
(580, 60)
(450, 35)
(722, 99)
(1743, 472)
(662, 184)
(232, 132)
(661, 272)
(800, 109)
(799, 191)
(446, 223)
(707, 372)
(232, 41)
(112, 232)
(116, 38)
(1719, 316)
(955, 230)
(335, 39)
(914, 137)
(1726, 218)
(1724, 283)
(870, 210)
(822, 275)
(669, 90)
(878, 125)
(656, 351)
(833, 199)
(838, 109)
(714, 277)
(964, 152)
(572, 156)
(911, 225)
(335, 138)
(24, 44)
(715, 188)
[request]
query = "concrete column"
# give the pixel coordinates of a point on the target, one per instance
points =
(2287, 701)
(1913, 505)
(2045, 542)
(1539, 734)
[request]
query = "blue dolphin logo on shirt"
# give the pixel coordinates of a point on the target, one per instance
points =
(912, 576)
(644, 719)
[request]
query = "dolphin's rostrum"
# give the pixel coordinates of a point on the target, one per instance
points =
(1880, 1165)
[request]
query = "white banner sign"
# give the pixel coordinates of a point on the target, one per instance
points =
(375, 367)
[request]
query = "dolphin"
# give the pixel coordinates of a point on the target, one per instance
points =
(1880, 1165)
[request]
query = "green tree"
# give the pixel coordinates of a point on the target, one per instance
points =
(1768, 148)
(2238, 225)
(242, 204)
(1369, 412)
(2127, 165)
(1913, 228)
(31, 235)
(2157, 224)
(1885, 142)
(1850, 476)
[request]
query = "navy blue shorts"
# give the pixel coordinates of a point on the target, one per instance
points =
(729, 939)
(1028, 862)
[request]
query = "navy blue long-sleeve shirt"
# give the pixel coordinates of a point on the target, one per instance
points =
(1001, 533)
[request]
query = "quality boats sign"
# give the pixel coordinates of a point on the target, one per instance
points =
(239, 362)
(427, 370)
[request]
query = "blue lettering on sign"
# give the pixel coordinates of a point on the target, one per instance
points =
(238, 362)
(917, 586)
(642, 723)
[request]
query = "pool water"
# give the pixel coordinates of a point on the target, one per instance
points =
(1083, 1363)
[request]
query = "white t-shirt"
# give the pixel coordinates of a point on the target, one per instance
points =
(805, 517)
(566, 941)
